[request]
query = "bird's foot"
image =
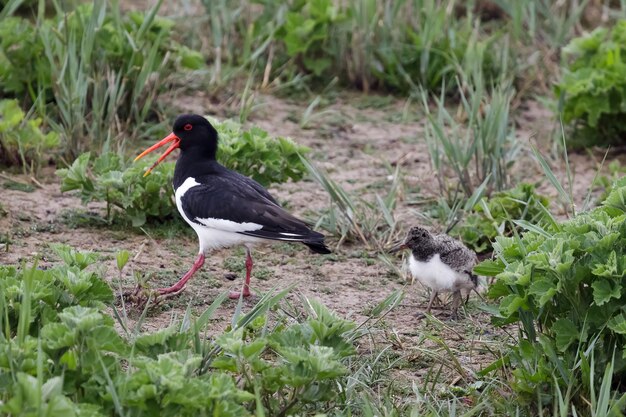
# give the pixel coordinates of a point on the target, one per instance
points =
(139, 296)
(169, 292)
(234, 295)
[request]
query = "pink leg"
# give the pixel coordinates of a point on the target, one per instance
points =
(245, 292)
(180, 285)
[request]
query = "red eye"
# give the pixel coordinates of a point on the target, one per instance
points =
(188, 127)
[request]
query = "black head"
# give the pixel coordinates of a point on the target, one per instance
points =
(195, 132)
(417, 236)
(191, 132)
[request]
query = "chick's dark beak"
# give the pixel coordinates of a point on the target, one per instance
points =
(397, 247)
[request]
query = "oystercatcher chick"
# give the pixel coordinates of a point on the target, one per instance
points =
(224, 207)
(441, 263)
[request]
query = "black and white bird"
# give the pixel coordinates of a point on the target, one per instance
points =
(441, 263)
(224, 207)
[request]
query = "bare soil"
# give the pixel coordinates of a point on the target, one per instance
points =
(353, 140)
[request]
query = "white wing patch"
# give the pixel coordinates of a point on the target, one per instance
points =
(228, 225)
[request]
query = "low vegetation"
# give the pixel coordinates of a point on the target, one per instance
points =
(368, 45)
(563, 286)
(592, 89)
(62, 355)
(93, 73)
(21, 140)
(503, 214)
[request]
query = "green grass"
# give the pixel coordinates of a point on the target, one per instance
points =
(92, 73)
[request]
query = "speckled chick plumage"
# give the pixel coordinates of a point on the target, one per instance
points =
(441, 263)
(460, 259)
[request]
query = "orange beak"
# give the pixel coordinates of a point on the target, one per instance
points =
(169, 138)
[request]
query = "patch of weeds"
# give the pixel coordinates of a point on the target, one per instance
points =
(107, 178)
(18, 186)
(267, 360)
(277, 159)
(502, 214)
(373, 101)
(321, 260)
(367, 45)
(22, 142)
(103, 74)
(592, 90)
(355, 219)
(234, 264)
(40, 227)
(263, 273)
(477, 153)
(564, 286)
(287, 249)
(80, 218)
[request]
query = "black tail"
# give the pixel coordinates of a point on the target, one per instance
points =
(318, 247)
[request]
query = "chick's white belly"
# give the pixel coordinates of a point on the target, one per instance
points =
(436, 275)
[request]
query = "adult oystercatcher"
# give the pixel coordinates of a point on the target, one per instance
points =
(441, 263)
(224, 207)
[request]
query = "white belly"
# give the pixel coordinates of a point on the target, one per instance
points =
(215, 233)
(437, 275)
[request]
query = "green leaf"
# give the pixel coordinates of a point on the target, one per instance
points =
(544, 289)
(609, 268)
(489, 268)
(618, 324)
(58, 335)
(604, 290)
(122, 258)
(565, 333)
(511, 304)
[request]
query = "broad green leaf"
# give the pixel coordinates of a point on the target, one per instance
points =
(607, 269)
(565, 333)
(544, 289)
(489, 268)
(618, 324)
(604, 290)
(511, 304)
